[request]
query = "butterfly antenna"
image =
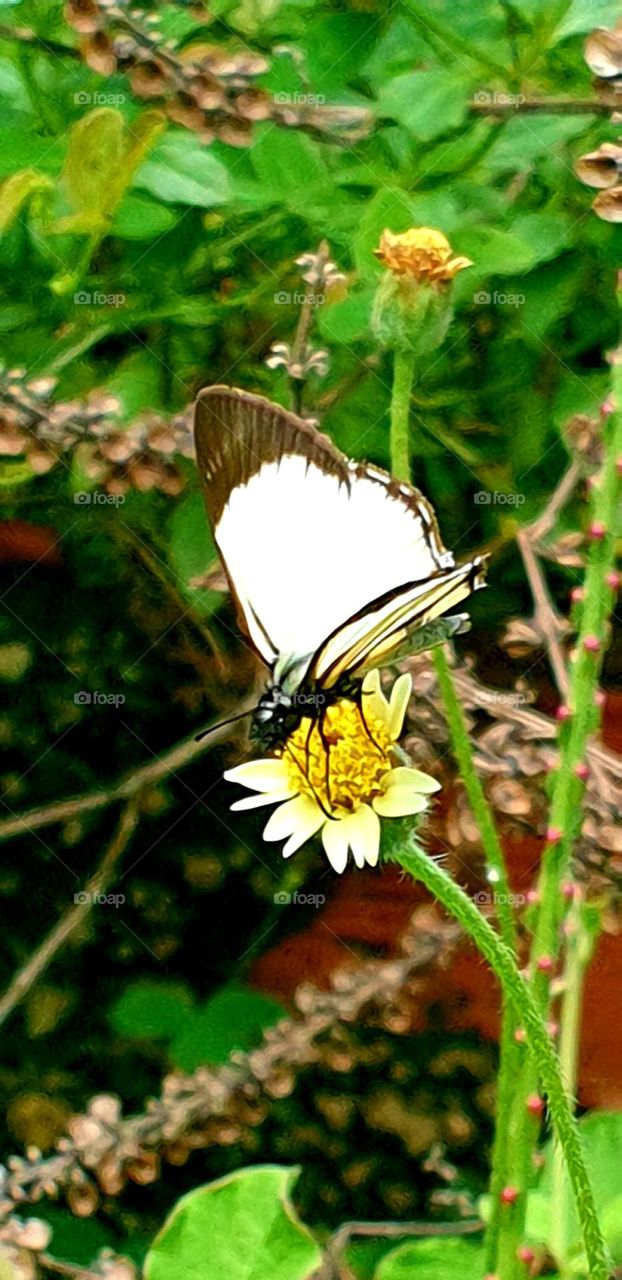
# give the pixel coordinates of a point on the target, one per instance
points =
(221, 724)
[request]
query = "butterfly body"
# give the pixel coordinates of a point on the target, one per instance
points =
(333, 564)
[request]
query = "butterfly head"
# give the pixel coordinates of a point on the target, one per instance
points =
(276, 716)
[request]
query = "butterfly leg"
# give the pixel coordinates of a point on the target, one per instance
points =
(325, 740)
(359, 702)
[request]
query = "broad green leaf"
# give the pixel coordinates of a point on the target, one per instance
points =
(138, 218)
(427, 103)
(523, 140)
(242, 1227)
(494, 252)
(191, 550)
(601, 1139)
(390, 208)
(17, 191)
(582, 16)
(447, 1259)
(346, 321)
(181, 170)
(290, 166)
(233, 1018)
(547, 234)
(150, 1010)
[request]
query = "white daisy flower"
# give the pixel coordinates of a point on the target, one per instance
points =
(343, 793)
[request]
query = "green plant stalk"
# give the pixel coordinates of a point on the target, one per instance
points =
(403, 376)
(566, 808)
(516, 992)
(510, 1052)
(582, 927)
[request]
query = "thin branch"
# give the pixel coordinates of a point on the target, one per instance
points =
(182, 754)
(45, 953)
(546, 617)
(496, 106)
(341, 1238)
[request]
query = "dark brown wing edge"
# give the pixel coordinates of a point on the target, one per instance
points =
(236, 432)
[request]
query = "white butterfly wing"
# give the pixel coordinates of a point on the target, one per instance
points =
(310, 540)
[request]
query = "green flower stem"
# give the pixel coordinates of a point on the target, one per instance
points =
(463, 751)
(582, 928)
(403, 376)
(566, 806)
(421, 867)
(566, 815)
(510, 1052)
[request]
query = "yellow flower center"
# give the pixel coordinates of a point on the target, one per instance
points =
(349, 773)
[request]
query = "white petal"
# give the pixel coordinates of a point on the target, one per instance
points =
(374, 701)
(399, 802)
(295, 815)
(255, 802)
(400, 696)
(335, 844)
(411, 778)
(364, 835)
(261, 775)
(306, 829)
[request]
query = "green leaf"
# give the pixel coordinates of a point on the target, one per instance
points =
(100, 164)
(138, 218)
(290, 166)
(181, 170)
(233, 1018)
(242, 1227)
(444, 1259)
(584, 15)
(151, 1010)
(346, 321)
(191, 551)
(601, 1139)
(17, 191)
(427, 103)
(390, 208)
(497, 253)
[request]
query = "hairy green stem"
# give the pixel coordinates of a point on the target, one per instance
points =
(421, 867)
(566, 806)
(510, 1051)
(566, 815)
(403, 376)
(581, 928)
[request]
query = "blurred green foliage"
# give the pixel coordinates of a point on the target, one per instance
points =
(136, 259)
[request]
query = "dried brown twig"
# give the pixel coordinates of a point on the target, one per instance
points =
(97, 884)
(215, 1104)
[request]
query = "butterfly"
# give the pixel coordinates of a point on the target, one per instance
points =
(335, 566)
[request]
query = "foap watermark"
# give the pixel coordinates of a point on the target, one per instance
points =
(83, 99)
(494, 497)
(296, 899)
(299, 99)
(95, 698)
(503, 699)
(308, 699)
(300, 299)
(98, 498)
(84, 899)
(484, 299)
(485, 899)
(483, 98)
(98, 299)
